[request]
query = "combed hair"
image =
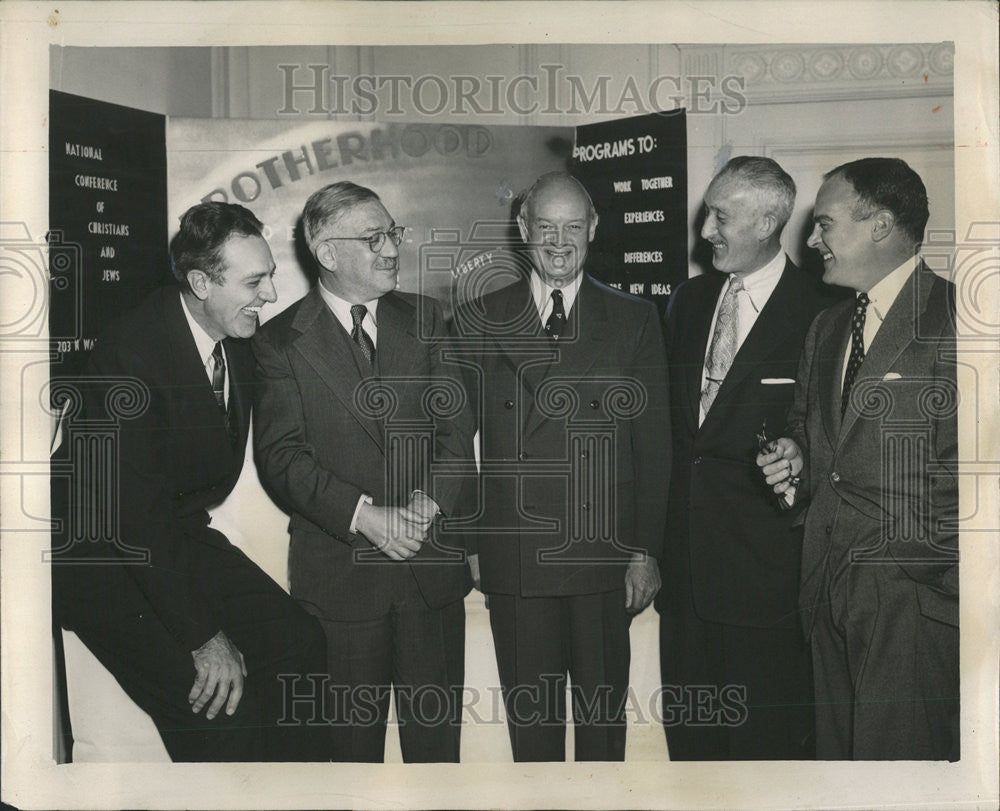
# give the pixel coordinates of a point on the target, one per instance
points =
(887, 183)
(547, 179)
(773, 185)
(205, 229)
(326, 206)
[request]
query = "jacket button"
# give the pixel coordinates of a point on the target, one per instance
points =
(584, 454)
(835, 476)
(829, 529)
(696, 460)
(586, 505)
(508, 403)
(522, 455)
(594, 403)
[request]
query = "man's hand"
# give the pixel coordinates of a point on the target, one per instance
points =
(783, 463)
(389, 531)
(220, 672)
(642, 581)
(421, 511)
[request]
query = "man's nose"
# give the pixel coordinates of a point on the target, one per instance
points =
(389, 248)
(268, 291)
(814, 240)
(708, 227)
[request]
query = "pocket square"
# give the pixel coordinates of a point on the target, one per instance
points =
(775, 381)
(892, 376)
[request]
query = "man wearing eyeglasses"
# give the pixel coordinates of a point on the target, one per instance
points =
(351, 412)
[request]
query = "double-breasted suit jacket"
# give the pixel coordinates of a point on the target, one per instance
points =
(575, 440)
(327, 434)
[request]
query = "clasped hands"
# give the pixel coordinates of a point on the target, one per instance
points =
(398, 532)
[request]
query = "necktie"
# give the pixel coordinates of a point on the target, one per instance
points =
(219, 376)
(724, 345)
(857, 349)
(361, 338)
(557, 318)
(219, 390)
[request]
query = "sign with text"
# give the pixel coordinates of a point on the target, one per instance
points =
(636, 172)
(107, 218)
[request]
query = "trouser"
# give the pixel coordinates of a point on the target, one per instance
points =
(538, 641)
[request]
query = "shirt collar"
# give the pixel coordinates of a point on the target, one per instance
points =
(341, 308)
(761, 283)
(202, 340)
(885, 292)
(541, 291)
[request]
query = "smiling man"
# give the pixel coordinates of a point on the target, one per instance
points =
(569, 390)
(196, 634)
(731, 567)
(872, 435)
(345, 373)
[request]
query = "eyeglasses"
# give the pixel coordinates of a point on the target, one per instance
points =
(377, 240)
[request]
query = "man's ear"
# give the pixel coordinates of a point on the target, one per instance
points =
(198, 281)
(768, 223)
(326, 256)
(522, 226)
(593, 227)
(883, 224)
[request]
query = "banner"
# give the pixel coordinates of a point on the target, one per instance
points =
(107, 218)
(636, 172)
(444, 182)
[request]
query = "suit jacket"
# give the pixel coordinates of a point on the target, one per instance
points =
(882, 481)
(723, 525)
(325, 435)
(176, 460)
(574, 438)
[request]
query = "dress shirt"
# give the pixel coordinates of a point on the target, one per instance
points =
(341, 308)
(206, 346)
(541, 293)
(880, 298)
(757, 289)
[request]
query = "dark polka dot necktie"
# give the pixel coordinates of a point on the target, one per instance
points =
(361, 338)
(857, 349)
(557, 319)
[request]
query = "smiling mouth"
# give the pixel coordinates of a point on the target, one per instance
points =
(827, 256)
(559, 259)
(255, 310)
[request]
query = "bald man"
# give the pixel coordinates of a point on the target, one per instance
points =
(569, 390)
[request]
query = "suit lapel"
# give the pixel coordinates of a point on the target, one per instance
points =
(770, 333)
(589, 329)
(831, 349)
(396, 330)
(322, 344)
(697, 346)
(897, 331)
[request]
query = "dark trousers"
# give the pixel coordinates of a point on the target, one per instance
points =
(414, 650)
(887, 674)
(280, 644)
(733, 693)
(539, 640)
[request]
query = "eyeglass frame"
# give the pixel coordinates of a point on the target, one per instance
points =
(378, 237)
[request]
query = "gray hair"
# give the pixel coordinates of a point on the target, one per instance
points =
(773, 186)
(326, 206)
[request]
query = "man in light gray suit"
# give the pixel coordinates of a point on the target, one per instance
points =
(872, 443)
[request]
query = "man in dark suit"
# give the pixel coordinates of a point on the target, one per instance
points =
(352, 418)
(568, 383)
(872, 444)
(729, 634)
(182, 618)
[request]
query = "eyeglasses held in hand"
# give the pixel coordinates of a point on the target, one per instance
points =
(377, 240)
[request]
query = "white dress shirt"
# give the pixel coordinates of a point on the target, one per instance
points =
(341, 308)
(757, 289)
(206, 346)
(880, 298)
(541, 293)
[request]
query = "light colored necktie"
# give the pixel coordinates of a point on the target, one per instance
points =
(724, 345)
